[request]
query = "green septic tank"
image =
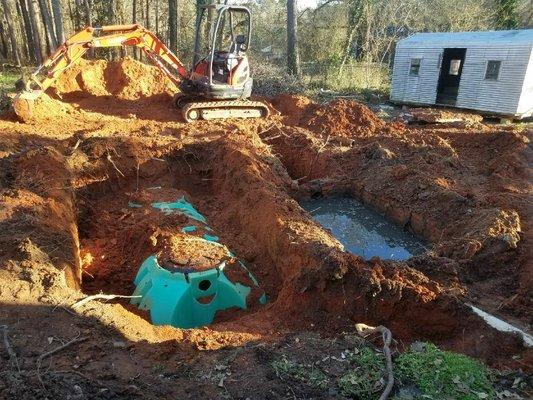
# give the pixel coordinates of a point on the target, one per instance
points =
(184, 297)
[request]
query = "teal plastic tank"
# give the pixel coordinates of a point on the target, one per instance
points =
(175, 294)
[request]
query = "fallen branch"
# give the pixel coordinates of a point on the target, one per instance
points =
(365, 330)
(12, 355)
(102, 297)
(77, 339)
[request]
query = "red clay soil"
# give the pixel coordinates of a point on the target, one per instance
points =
(444, 115)
(467, 192)
(76, 163)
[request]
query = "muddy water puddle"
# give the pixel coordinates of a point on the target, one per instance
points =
(363, 231)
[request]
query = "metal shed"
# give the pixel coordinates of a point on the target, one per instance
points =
(490, 71)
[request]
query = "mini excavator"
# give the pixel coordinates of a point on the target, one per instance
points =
(218, 86)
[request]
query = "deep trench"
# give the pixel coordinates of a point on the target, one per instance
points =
(110, 260)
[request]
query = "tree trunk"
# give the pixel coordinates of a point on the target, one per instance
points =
(111, 21)
(35, 31)
(58, 21)
(22, 27)
(3, 48)
(35, 51)
(48, 25)
(11, 30)
(88, 22)
(293, 57)
(173, 25)
(121, 19)
(354, 21)
(147, 14)
(88, 17)
(77, 14)
(134, 18)
(157, 18)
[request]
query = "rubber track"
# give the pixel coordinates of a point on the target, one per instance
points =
(215, 105)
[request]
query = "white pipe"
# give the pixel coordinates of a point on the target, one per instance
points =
(502, 326)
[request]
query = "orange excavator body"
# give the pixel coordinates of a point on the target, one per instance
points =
(218, 86)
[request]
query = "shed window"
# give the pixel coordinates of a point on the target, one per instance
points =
(455, 66)
(493, 70)
(415, 66)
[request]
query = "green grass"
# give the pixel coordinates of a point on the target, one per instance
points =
(8, 79)
(305, 373)
(7, 85)
(422, 373)
(444, 374)
(364, 380)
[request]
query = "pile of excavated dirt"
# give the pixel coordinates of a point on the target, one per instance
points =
(128, 88)
(70, 225)
(338, 118)
(127, 79)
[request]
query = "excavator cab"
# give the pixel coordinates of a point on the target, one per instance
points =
(220, 69)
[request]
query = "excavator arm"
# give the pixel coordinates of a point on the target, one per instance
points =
(78, 44)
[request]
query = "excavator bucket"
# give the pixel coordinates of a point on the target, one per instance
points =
(23, 104)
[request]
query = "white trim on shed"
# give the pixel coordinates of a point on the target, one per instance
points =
(510, 93)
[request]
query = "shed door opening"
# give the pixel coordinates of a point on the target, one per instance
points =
(450, 75)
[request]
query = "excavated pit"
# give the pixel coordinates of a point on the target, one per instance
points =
(71, 169)
(239, 185)
(119, 228)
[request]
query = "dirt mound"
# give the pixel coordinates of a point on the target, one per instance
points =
(125, 79)
(339, 118)
(346, 118)
(291, 106)
(44, 108)
(126, 88)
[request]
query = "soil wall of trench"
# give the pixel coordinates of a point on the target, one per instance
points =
(38, 218)
(464, 189)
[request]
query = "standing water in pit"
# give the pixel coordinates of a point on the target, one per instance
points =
(363, 231)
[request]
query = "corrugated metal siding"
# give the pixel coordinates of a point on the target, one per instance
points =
(525, 104)
(502, 95)
(475, 92)
(415, 89)
(398, 81)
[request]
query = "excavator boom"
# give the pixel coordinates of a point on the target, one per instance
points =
(78, 44)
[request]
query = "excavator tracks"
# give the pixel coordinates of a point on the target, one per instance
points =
(209, 110)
